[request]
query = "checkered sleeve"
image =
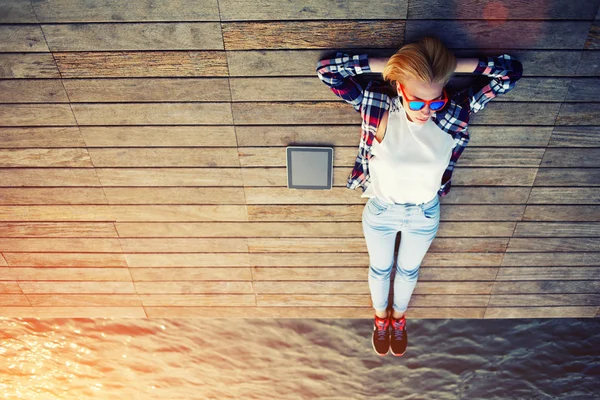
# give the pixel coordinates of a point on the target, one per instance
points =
(338, 72)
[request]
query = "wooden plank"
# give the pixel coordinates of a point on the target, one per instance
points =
(278, 195)
(352, 245)
(175, 195)
(3, 260)
(36, 114)
(90, 312)
(476, 176)
(82, 287)
(23, 158)
(7, 287)
(17, 11)
(583, 89)
(22, 38)
(565, 195)
(135, 10)
(57, 229)
(56, 213)
(148, 89)
(295, 229)
(346, 156)
(545, 273)
(306, 312)
(579, 114)
(27, 65)
(20, 196)
(362, 260)
(520, 34)
(20, 312)
(343, 135)
(66, 177)
(184, 245)
(83, 245)
(568, 177)
(298, 113)
(41, 137)
(549, 259)
(168, 177)
(268, 10)
(518, 287)
(64, 259)
(340, 300)
(179, 213)
(162, 157)
(194, 287)
(151, 114)
(190, 274)
(32, 91)
(292, 35)
(589, 64)
(507, 10)
(354, 212)
(557, 229)
(97, 64)
(134, 36)
(67, 274)
(541, 300)
(303, 62)
(231, 300)
(158, 136)
(572, 157)
(559, 213)
(191, 260)
(593, 39)
(540, 312)
(575, 136)
(84, 300)
(361, 287)
(553, 244)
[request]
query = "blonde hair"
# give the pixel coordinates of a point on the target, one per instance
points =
(428, 60)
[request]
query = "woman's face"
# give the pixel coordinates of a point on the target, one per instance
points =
(418, 90)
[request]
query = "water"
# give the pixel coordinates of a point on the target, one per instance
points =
(296, 359)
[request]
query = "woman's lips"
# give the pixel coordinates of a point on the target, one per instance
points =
(423, 120)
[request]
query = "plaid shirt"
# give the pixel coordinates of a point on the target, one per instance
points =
(338, 72)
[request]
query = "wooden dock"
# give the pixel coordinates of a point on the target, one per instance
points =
(142, 161)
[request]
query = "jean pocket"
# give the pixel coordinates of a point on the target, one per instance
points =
(432, 212)
(376, 207)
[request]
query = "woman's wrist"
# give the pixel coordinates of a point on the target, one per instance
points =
(466, 65)
(377, 64)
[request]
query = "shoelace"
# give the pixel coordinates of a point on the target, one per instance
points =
(381, 330)
(398, 329)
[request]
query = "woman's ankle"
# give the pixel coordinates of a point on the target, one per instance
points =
(381, 314)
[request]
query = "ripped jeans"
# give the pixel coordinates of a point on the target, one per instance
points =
(381, 222)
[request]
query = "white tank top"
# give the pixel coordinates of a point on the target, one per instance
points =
(407, 166)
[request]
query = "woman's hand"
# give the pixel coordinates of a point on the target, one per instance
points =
(377, 64)
(466, 65)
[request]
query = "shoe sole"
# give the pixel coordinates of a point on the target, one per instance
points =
(398, 355)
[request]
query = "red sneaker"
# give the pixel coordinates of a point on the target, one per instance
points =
(381, 335)
(399, 336)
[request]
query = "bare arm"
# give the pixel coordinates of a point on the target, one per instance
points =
(466, 65)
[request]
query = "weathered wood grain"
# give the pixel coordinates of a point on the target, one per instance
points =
(495, 13)
(520, 34)
(583, 89)
(562, 213)
(81, 287)
(82, 245)
(307, 300)
(553, 244)
(151, 114)
(147, 89)
(96, 64)
(8, 287)
(177, 213)
(575, 136)
(295, 229)
(158, 136)
(557, 229)
(191, 274)
(546, 273)
(540, 300)
(551, 259)
(90, 312)
(540, 312)
(41, 137)
(323, 34)
(344, 135)
(175, 195)
(36, 114)
(67, 274)
(14, 300)
(24, 158)
(20, 196)
(32, 91)
(168, 177)
(354, 212)
(20, 312)
(268, 10)
(57, 229)
(572, 157)
(193, 287)
(558, 287)
(593, 39)
(66, 177)
(17, 11)
(84, 300)
(188, 260)
(135, 10)
(56, 213)
(579, 114)
(565, 195)
(568, 177)
(163, 157)
(232, 300)
(64, 259)
(27, 65)
(589, 64)
(22, 38)
(133, 36)
(184, 245)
